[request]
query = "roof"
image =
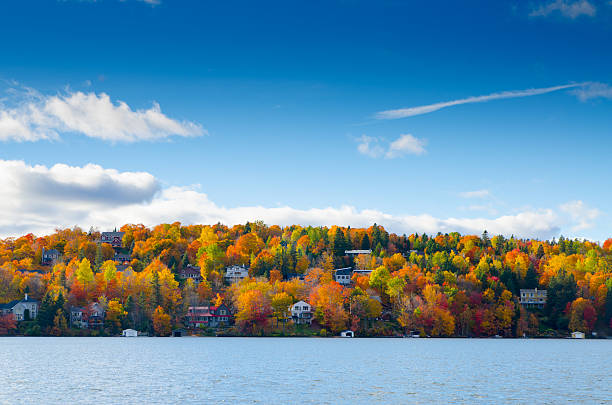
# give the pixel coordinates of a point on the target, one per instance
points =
(358, 252)
(344, 271)
(50, 251)
(10, 305)
(112, 233)
(189, 269)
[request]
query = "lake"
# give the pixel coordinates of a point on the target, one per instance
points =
(303, 370)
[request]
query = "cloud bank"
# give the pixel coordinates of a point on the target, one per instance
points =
(38, 199)
(33, 117)
(425, 109)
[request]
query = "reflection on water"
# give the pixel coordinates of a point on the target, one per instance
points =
(320, 371)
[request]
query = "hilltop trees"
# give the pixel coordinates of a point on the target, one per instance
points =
(437, 285)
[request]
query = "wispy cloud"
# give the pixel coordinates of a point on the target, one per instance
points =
(424, 109)
(593, 90)
(405, 144)
(475, 194)
(27, 115)
(569, 9)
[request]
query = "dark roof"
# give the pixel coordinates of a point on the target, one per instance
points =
(11, 304)
(344, 271)
(51, 251)
(39, 271)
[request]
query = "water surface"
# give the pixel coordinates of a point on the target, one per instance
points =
(301, 370)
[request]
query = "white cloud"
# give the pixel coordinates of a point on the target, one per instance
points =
(567, 8)
(581, 215)
(404, 144)
(475, 194)
(424, 109)
(593, 90)
(38, 199)
(34, 116)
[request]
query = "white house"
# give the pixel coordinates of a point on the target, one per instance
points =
(19, 308)
(347, 334)
(577, 335)
(235, 274)
(301, 313)
(129, 333)
(343, 276)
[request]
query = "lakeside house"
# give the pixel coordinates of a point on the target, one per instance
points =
(49, 256)
(347, 334)
(577, 335)
(89, 317)
(208, 316)
(115, 239)
(343, 276)
(191, 272)
(235, 274)
(301, 313)
(129, 333)
(533, 298)
(24, 309)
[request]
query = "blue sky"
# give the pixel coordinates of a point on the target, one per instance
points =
(269, 111)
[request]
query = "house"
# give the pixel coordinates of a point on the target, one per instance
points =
(90, 317)
(532, 298)
(343, 276)
(347, 334)
(115, 239)
(96, 313)
(358, 252)
(49, 256)
(191, 272)
(77, 320)
(122, 258)
(211, 317)
(235, 274)
(24, 309)
(301, 313)
(129, 333)
(577, 335)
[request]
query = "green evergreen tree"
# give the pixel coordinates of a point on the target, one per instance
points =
(561, 291)
(531, 278)
(365, 242)
(46, 312)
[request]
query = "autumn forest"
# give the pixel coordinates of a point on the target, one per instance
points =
(444, 285)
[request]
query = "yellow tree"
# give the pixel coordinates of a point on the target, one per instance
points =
(161, 322)
(115, 313)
